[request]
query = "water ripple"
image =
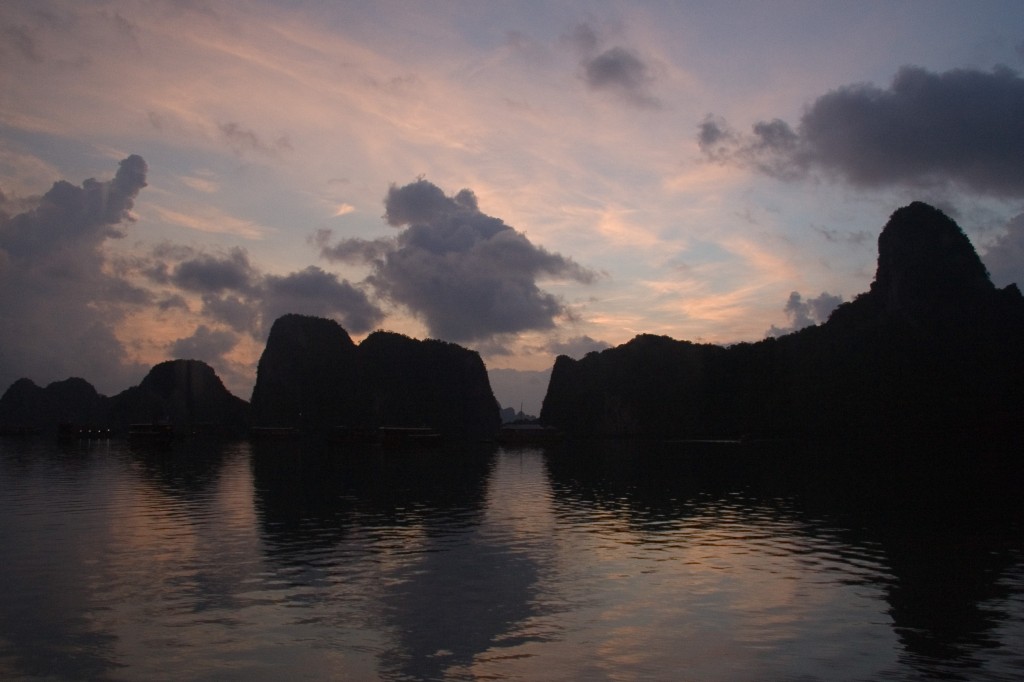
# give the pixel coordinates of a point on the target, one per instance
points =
(216, 562)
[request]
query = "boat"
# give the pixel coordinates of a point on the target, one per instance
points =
(68, 431)
(354, 435)
(151, 433)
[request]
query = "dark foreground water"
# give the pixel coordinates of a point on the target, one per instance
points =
(599, 562)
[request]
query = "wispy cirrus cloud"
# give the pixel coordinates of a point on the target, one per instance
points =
(211, 220)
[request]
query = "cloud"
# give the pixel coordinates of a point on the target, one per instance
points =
(207, 185)
(1005, 257)
(353, 250)
(206, 273)
(313, 291)
(70, 307)
(962, 127)
(243, 140)
(173, 302)
(577, 346)
(59, 302)
(241, 314)
(212, 220)
(236, 293)
(806, 312)
(618, 70)
(468, 275)
(204, 344)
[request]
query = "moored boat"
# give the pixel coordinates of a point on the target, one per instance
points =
(151, 433)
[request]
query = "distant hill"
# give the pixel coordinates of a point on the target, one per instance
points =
(186, 394)
(312, 376)
(26, 406)
(933, 347)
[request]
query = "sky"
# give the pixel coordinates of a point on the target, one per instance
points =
(526, 179)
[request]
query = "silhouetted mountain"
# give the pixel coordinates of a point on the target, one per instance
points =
(932, 347)
(307, 375)
(71, 401)
(431, 383)
(312, 376)
(187, 394)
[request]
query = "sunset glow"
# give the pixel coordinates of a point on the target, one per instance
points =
(609, 168)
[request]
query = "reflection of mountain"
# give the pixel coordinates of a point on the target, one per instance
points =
(445, 588)
(186, 471)
(471, 592)
(939, 546)
(933, 346)
(949, 577)
(309, 494)
(437, 621)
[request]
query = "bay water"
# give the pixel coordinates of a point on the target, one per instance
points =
(589, 561)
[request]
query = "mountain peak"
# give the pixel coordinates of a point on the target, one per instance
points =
(925, 262)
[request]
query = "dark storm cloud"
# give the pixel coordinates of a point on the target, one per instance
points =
(237, 294)
(417, 202)
(1005, 257)
(350, 250)
(806, 312)
(315, 292)
(963, 127)
(206, 273)
(68, 217)
(205, 344)
(59, 302)
(468, 275)
(240, 313)
(618, 70)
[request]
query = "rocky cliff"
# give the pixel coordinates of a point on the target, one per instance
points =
(932, 347)
(408, 382)
(307, 376)
(312, 376)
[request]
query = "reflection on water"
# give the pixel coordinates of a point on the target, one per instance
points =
(604, 562)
